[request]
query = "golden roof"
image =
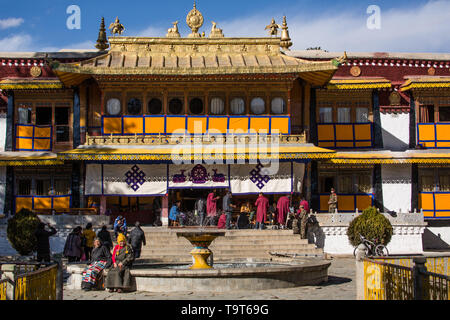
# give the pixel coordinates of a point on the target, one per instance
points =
(360, 83)
(423, 82)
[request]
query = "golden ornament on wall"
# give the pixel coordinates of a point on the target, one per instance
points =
(35, 71)
(394, 98)
(194, 20)
(431, 71)
(355, 71)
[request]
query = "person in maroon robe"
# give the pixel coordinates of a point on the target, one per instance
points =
(283, 210)
(262, 203)
(304, 203)
(211, 206)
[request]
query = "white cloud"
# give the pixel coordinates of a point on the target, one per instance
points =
(16, 43)
(10, 23)
(425, 28)
(152, 32)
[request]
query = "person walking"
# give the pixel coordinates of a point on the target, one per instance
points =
(333, 202)
(283, 210)
(157, 209)
(120, 226)
(262, 204)
(211, 207)
(303, 217)
(137, 239)
(119, 277)
(89, 235)
(43, 243)
(227, 207)
(72, 248)
(200, 207)
(105, 237)
(174, 213)
(100, 260)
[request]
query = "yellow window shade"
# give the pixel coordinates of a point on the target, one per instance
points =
(197, 125)
(259, 125)
(280, 124)
(443, 144)
(61, 202)
(43, 203)
(239, 125)
(324, 203)
(442, 201)
(442, 214)
(176, 125)
(344, 132)
(363, 202)
(133, 125)
(346, 203)
(426, 132)
(363, 144)
(112, 125)
(344, 144)
(154, 125)
(326, 144)
(42, 132)
(428, 144)
(426, 201)
(443, 132)
(24, 144)
(218, 124)
(24, 131)
(326, 132)
(362, 132)
(24, 203)
(42, 144)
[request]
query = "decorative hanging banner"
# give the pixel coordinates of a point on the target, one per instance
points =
(126, 180)
(273, 178)
(198, 176)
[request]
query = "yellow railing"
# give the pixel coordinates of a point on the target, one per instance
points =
(436, 286)
(3, 286)
(37, 285)
(384, 281)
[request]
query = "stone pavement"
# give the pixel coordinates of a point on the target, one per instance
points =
(340, 286)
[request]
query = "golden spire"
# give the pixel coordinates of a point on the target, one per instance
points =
(285, 39)
(194, 20)
(102, 41)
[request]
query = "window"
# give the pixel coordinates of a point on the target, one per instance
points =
(326, 115)
(175, 106)
(426, 113)
(237, 106)
(24, 187)
(444, 182)
(134, 107)
(257, 106)
(217, 106)
(364, 185)
(43, 187)
(196, 106)
(278, 106)
(61, 187)
(362, 115)
(427, 182)
(43, 116)
(326, 183)
(113, 107)
(344, 115)
(155, 106)
(444, 113)
(345, 184)
(62, 124)
(24, 115)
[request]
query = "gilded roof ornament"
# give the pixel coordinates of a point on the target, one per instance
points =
(215, 32)
(102, 41)
(173, 32)
(273, 28)
(194, 20)
(116, 27)
(286, 42)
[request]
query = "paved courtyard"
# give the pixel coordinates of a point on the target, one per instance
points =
(340, 286)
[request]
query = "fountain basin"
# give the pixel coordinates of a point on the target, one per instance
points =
(247, 276)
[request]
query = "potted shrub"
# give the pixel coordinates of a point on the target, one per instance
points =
(20, 231)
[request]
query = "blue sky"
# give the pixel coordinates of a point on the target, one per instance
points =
(406, 26)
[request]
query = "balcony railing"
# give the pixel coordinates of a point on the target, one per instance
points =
(434, 135)
(33, 138)
(435, 205)
(348, 202)
(345, 135)
(43, 202)
(204, 139)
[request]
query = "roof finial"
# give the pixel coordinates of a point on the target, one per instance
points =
(116, 27)
(194, 20)
(285, 39)
(102, 41)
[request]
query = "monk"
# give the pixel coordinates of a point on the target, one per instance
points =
(262, 204)
(283, 210)
(211, 206)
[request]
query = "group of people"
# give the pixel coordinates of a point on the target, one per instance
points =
(252, 215)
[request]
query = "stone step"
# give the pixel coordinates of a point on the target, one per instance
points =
(228, 238)
(262, 242)
(236, 249)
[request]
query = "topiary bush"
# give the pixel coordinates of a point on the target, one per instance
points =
(20, 231)
(372, 225)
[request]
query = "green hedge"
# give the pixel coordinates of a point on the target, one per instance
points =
(20, 232)
(372, 225)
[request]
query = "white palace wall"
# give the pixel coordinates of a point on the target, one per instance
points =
(395, 131)
(396, 187)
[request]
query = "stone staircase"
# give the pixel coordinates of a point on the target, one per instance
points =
(164, 245)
